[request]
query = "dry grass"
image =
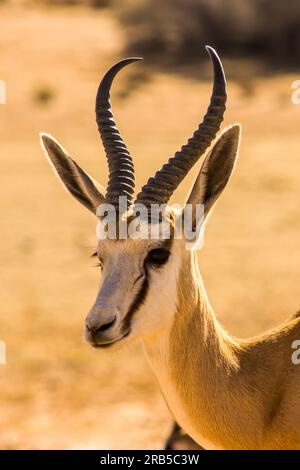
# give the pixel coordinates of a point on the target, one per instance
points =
(55, 391)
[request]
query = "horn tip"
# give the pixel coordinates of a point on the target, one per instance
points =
(130, 60)
(211, 51)
(220, 79)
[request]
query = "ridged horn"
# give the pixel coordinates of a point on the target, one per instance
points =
(121, 169)
(160, 188)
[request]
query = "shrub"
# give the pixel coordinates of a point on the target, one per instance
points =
(175, 31)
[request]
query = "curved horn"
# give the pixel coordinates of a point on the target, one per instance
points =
(121, 169)
(159, 189)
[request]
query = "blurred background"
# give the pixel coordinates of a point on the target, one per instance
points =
(55, 391)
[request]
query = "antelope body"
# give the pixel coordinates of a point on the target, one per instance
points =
(224, 392)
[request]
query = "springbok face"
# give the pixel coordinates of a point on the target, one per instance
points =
(138, 287)
(138, 281)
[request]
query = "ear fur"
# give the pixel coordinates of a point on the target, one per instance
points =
(82, 186)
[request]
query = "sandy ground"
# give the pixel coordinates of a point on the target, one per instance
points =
(55, 392)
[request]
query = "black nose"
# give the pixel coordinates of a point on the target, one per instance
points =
(96, 324)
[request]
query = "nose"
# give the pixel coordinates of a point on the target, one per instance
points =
(95, 325)
(97, 322)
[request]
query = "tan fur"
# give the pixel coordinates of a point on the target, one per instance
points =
(235, 394)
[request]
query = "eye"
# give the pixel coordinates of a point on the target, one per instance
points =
(158, 256)
(100, 264)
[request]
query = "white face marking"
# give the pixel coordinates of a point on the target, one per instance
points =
(159, 307)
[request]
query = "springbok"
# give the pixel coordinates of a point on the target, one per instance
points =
(224, 392)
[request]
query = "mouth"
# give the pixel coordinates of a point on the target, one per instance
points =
(107, 344)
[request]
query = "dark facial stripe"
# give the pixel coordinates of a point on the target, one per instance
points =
(137, 301)
(142, 293)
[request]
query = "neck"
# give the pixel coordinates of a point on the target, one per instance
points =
(198, 367)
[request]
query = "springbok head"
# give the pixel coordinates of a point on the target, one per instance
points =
(138, 288)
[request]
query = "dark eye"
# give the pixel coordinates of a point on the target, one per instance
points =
(158, 256)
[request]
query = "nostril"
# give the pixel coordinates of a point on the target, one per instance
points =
(105, 326)
(100, 326)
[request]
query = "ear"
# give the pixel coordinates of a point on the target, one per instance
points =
(84, 188)
(216, 169)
